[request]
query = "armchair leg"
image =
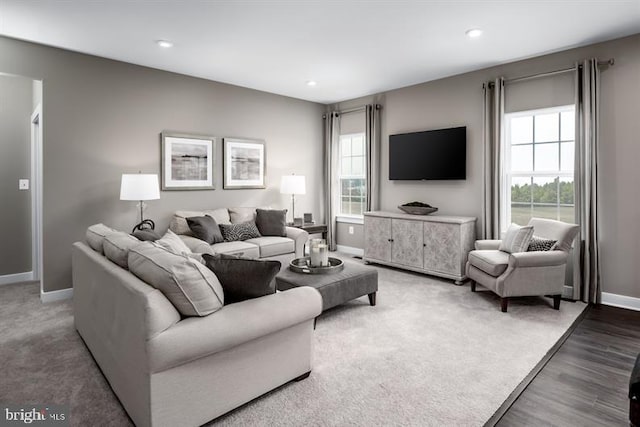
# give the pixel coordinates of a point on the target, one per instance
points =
(556, 302)
(504, 303)
(473, 286)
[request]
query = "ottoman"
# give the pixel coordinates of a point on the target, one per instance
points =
(336, 288)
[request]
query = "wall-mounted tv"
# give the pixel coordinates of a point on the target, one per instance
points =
(429, 155)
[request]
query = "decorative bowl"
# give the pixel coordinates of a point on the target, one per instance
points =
(417, 210)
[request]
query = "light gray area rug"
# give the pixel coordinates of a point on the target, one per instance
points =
(430, 353)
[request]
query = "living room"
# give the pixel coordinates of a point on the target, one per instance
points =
(103, 115)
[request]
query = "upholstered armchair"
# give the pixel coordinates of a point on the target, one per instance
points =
(517, 274)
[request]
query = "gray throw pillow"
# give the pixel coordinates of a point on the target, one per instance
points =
(146, 235)
(243, 278)
(541, 244)
(116, 247)
(239, 232)
(205, 228)
(271, 222)
(516, 239)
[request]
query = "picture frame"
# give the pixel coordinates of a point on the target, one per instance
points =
(244, 163)
(188, 161)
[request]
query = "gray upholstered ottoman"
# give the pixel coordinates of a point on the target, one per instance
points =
(352, 282)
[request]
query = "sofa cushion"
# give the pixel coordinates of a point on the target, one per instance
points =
(95, 236)
(243, 278)
(191, 287)
(205, 228)
(179, 221)
(541, 244)
(239, 232)
(491, 261)
(248, 250)
(238, 215)
(516, 239)
(271, 222)
(271, 245)
(173, 243)
(116, 247)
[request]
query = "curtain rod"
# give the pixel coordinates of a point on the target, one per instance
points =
(552, 73)
(355, 109)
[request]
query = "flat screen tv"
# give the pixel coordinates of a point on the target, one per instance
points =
(430, 155)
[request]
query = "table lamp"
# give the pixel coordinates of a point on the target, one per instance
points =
(140, 187)
(293, 184)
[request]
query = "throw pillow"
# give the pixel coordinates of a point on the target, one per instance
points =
(238, 215)
(116, 247)
(541, 244)
(146, 235)
(238, 232)
(95, 236)
(205, 228)
(516, 239)
(191, 287)
(271, 222)
(173, 243)
(243, 278)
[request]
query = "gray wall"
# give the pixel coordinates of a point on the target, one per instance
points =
(355, 240)
(103, 118)
(15, 158)
(457, 101)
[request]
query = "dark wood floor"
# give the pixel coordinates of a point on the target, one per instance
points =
(586, 382)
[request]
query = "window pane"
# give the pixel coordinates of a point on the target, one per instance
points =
(345, 149)
(547, 127)
(547, 157)
(522, 158)
(344, 205)
(567, 126)
(567, 156)
(344, 187)
(522, 130)
(520, 200)
(545, 198)
(346, 166)
(357, 165)
(357, 146)
(567, 200)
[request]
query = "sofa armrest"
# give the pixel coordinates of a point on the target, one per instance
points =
(300, 237)
(487, 244)
(196, 245)
(234, 324)
(537, 259)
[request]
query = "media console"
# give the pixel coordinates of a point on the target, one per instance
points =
(431, 244)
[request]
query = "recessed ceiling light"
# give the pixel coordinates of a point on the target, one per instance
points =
(164, 43)
(311, 83)
(473, 33)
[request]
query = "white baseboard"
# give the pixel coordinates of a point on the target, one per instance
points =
(16, 278)
(350, 250)
(52, 296)
(620, 301)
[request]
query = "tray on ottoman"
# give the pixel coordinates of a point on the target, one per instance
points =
(352, 282)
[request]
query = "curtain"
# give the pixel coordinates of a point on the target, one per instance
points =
(586, 181)
(331, 141)
(372, 143)
(493, 113)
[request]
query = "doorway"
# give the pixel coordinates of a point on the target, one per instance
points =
(36, 194)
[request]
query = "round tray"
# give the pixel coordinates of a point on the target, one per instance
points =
(301, 265)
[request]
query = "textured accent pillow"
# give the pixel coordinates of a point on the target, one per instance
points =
(516, 239)
(95, 236)
(238, 232)
(541, 244)
(173, 243)
(146, 235)
(116, 247)
(205, 228)
(243, 278)
(191, 287)
(271, 222)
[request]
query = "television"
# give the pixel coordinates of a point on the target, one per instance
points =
(429, 155)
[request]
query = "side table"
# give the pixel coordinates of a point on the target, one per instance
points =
(313, 228)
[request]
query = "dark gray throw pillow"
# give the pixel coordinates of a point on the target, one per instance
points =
(243, 278)
(272, 222)
(238, 232)
(146, 235)
(205, 228)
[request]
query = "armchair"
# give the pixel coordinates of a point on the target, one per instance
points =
(523, 273)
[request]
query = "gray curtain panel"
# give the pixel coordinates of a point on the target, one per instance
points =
(586, 181)
(331, 141)
(372, 134)
(493, 116)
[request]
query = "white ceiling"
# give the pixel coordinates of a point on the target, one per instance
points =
(351, 48)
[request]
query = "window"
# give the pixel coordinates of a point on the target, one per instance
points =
(352, 175)
(539, 164)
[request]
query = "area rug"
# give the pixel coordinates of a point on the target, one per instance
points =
(429, 354)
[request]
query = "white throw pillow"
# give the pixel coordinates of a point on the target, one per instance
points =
(116, 247)
(516, 239)
(172, 242)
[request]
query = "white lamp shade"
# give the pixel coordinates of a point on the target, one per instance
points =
(292, 184)
(139, 187)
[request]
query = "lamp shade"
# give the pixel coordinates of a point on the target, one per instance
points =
(292, 184)
(139, 187)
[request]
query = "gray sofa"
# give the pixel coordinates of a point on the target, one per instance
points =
(260, 247)
(170, 371)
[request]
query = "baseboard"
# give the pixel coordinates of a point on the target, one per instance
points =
(350, 250)
(620, 301)
(60, 295)
(16, 278)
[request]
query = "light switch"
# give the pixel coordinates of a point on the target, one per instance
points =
(23, 184)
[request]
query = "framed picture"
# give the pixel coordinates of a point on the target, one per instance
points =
(187, 161)
(244, 163)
